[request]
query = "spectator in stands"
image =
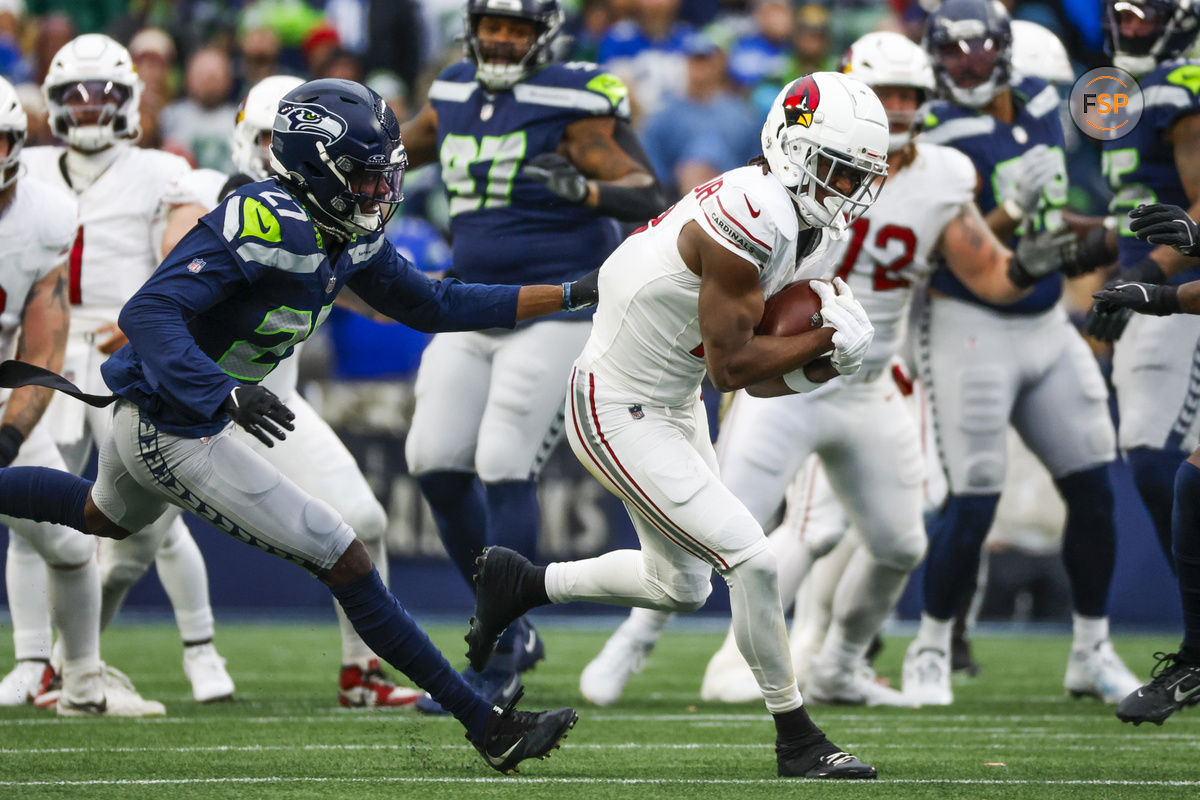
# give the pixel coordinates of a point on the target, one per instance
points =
(201, 124)
(153, 53)
(260, 49)
(647, 53)
(764, 56)
(14, 64)
(53, 33)
(340, 63)
(811, 40)
(704, 131)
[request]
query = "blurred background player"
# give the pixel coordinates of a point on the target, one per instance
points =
(37, 226)
(537, 157)
(122, 191)
(313, 455)
(1158, 161)
(986, 364)
(681, 299)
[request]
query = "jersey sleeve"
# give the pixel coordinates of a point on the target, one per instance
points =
(60, 226)
(264, 230)
(1175, 95)
(581, 87)
(736, 221)
(199, 186)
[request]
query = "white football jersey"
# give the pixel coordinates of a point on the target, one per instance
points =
(887, 251)
(646, 332)
(36, 232)
(122, 215)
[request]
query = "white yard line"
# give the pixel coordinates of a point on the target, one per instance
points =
(586, 781)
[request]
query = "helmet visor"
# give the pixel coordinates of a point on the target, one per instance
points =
(969, 62)
(845, 185)
(91, 102)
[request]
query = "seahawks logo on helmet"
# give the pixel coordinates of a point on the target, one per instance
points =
(311, 118)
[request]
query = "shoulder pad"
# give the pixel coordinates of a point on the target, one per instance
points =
(945, 122)
(738, 217)
(262, 223)
(456, 84)
(577, 85)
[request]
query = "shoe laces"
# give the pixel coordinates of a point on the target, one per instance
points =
(1165, 665)
(115, 678)
(511, 723)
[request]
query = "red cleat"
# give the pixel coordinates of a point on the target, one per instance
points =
(359, 688)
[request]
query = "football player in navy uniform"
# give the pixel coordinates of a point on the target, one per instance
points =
(986, 365)
(538, 158)
(254, 278)
(1158, 161)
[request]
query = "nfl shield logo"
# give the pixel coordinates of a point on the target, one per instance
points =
(196, 265)
(636, 412)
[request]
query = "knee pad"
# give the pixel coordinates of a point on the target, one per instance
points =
(368, 520)
(689, 592)
(118, 574)
(902, 550)
(67, 548)
(760, 569)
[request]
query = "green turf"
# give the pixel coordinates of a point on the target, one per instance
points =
(1012, 733)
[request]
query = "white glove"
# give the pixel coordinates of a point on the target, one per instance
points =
(1037, 167)
(852, 331)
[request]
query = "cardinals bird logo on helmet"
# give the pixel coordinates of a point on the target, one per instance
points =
(801, 102)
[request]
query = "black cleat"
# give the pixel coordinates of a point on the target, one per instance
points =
(821, 759)
(511, 736)
(499, 575)
(1173, 685)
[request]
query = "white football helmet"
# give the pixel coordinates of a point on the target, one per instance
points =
(886, 58)
(14, 125)
(1038, 52)
(255, 117)
(92, 93)
(825, 129)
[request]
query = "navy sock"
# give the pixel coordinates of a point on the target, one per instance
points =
(1186, 527)
(388, 630)
(513, 522)
(44, 495)
(1154, 475)
(956, 536)
(461, 513)
(1089, 539)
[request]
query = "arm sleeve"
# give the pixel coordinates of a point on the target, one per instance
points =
(393, 286)
(156, 321)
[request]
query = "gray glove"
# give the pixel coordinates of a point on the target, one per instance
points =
(558, 175)
(1040, 254)
(1038, 166)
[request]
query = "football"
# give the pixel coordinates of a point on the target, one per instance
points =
(794, 309)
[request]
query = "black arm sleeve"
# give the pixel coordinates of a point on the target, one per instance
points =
(631, 203)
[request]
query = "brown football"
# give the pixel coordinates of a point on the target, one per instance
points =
(794, 309)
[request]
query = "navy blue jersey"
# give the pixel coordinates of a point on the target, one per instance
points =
(505, 227)
(995, 147)
(1140, 166)
(251, 281)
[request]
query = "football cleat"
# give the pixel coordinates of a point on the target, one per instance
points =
(1174, 685)
(510, 736)
(21, 685)
(832, 684)
(927, 676)
(49, 688)
(497, 686)
(821, 759)
(205, 669)
(530, 647)
(370, 688)
(1099, 673)
(106, 692)
(604, 678)
(499, 574)
(962, 662)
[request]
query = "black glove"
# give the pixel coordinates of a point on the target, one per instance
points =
(257, 409)
(1092, 253)
(583, 293)
(1107, 322)
(11, 440)
(558, 175)
(1144, 298)
(1040, 254)
(1165, 224)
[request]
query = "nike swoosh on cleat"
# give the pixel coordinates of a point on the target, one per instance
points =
(530, 643)
(753, 213)
(1182, 696)
(496, 761)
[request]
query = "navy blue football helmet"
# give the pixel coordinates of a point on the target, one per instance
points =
(337, 145)
(970, 45)
(500, 65)
(1141, 34)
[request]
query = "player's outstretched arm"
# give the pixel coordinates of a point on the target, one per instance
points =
(1156, 299)
(731, 304)
(43, 342)
(419, 136)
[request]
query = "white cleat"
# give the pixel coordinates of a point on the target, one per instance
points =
(22, 684)
(604, 678)
(1099, 673)
(205, 669)
(728, 679)
(927, 676)
(832, 684)
(106, 692)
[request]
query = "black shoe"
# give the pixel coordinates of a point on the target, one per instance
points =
(1174, 685)
(820, 759)
(511, 736)
(529, 646)
(498, 582)
(961, 660)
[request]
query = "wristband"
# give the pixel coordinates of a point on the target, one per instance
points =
(798, 382)
(1013, 209)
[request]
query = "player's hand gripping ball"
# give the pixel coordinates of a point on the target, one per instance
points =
(794, 309)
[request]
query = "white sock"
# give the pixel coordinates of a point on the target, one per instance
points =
(354, 650)
(184, 577)
(616, 578)
(935, 633)
(28, 600)
(645, 624)
(1089, 631)
(760, 631)
(867, 593)
(75, 606)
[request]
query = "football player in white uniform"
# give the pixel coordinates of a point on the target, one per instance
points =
(92, 91)
(313, 455)
(682, 296)
(860, 426)
(37, 226)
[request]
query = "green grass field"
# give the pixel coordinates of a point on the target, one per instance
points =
(1012, 733)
